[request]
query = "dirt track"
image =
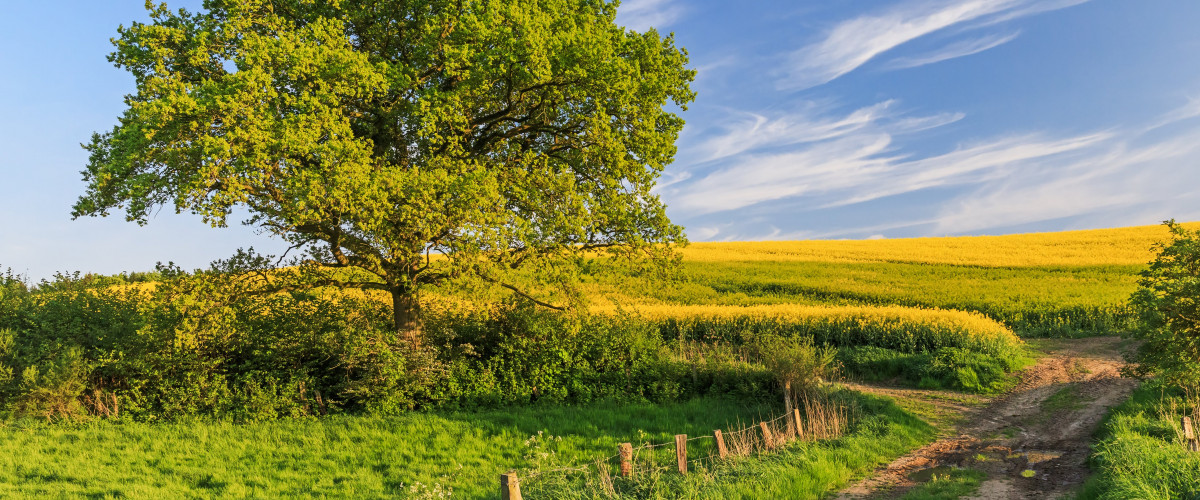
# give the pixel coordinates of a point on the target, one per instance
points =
(1044, 425)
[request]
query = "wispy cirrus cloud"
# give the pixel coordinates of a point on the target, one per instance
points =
(862, 167)
(955, 50)
(1111, 177)
(640, 15)
(740, 132)
(747, 131)
(754, 158)
(1119, 182)
(853, 42)
(1186, 112)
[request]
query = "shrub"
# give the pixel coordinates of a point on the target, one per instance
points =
(1168, 307)
(205, 343)
(219, 343)
(797, 365)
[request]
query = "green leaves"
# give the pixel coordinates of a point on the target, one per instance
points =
(494, 132)
(1168, 306)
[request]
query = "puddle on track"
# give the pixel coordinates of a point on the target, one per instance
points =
(1037, 457)
(926, 475)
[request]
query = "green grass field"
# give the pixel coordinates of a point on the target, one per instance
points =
(423, 455)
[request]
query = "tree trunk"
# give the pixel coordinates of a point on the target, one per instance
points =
(406, 316)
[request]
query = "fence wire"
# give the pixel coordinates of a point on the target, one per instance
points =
(644, 456)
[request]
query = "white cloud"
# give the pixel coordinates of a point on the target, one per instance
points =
(1030, 8)
(705, 233)
(1113, 180)
(852, 43)
(859, 168)
(760, 158)
(953, 51)
(1104, 178)
(640, 15)
(740, 132)
(839, 164)
(751, 130)
(1182, 113)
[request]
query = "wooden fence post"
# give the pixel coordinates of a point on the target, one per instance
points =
(1189, 434)
(510, 487)
(626, 451)
(766, 435)
(681, 452)
(721, 449)
(796, 419)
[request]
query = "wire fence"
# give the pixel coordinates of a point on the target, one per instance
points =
(811, 421)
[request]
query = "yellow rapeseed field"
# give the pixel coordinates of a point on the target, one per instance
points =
(897, 327)
(1120, 246)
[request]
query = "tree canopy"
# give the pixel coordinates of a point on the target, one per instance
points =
(372, 134)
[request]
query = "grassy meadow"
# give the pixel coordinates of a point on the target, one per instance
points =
(429, 455)
(182, 385)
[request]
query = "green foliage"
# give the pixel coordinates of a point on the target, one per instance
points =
(797, 364)
(523, 355)
(221, 343)
(945, 368)
(1168, 307)
(190, 344)
(499, 134)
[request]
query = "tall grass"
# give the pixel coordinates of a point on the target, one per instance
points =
(1141, 453)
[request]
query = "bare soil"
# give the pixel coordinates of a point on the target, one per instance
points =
(1032, 442)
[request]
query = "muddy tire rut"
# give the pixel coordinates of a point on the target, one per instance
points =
(1032, 442)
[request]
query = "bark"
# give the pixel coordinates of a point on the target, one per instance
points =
(406, 316)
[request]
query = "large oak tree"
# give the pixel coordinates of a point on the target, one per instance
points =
(496, 134)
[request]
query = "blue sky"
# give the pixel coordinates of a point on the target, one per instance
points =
(814, 119)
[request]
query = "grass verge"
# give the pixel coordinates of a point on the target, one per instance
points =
(1141, 452)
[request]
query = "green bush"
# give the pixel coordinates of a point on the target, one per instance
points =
(1168, 307)
(798, 365)
(192, 344)
(945, 368)
(217, 343)
(523, 355)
